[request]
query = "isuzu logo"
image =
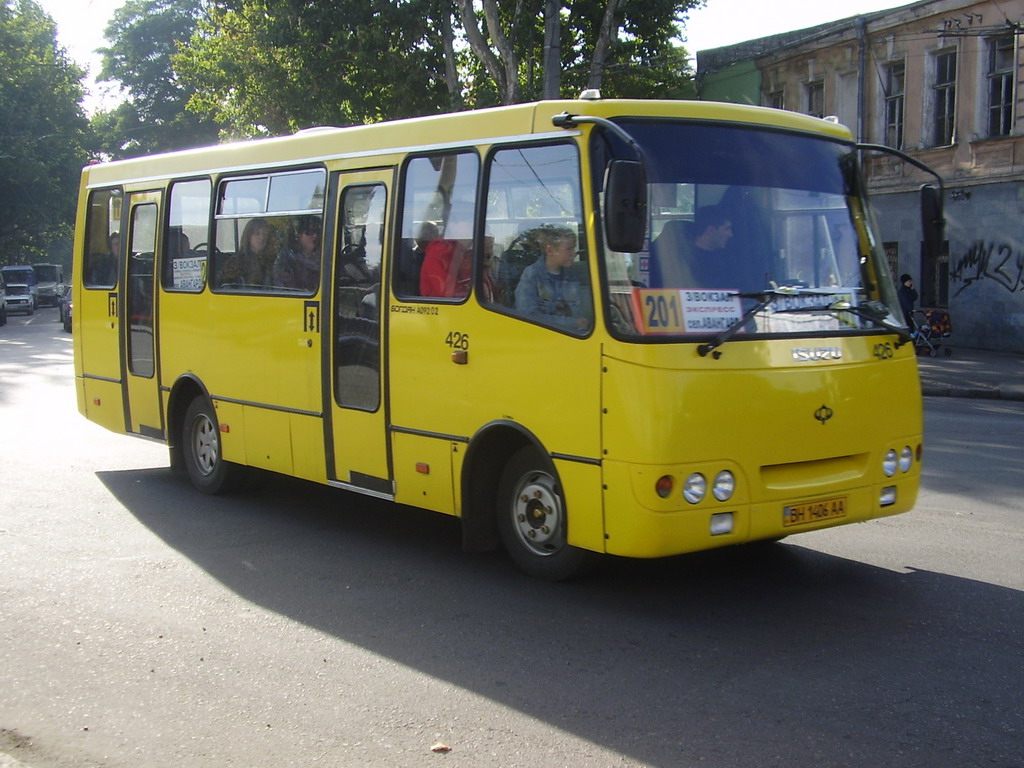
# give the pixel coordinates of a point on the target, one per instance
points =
(806, 354)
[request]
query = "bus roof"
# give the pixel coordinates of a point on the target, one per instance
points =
(455, 129)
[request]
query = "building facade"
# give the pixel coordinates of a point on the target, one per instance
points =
(939, 80)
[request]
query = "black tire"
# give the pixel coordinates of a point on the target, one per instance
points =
(533, 522)
(200, 447)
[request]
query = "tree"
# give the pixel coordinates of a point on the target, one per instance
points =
(144, 35)
(272, 66)
(626, 48)
(44, 135)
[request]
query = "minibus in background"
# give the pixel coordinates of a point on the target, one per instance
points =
(585, 327)
(50, 283)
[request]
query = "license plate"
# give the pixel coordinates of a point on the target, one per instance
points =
(814, 511)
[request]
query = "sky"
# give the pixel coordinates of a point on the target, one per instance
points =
(80, 25)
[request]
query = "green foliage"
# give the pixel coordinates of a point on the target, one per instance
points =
(268, 67)
(144, 36)
(274, 66)
(44, 135)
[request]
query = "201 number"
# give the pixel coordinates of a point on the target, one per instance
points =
(662, 312)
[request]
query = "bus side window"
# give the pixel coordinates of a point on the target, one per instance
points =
(541, 273)
(434, 254)
(102, 239)
(188, 234)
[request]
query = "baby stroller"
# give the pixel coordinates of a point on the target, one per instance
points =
(933, 325)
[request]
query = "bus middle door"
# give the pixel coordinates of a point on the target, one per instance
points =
(142, 390)
(357, 450)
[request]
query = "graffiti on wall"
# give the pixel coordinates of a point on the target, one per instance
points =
(986, 260)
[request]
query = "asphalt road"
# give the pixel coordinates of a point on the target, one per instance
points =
(143, 624)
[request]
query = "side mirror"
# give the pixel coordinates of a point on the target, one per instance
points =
(932, 219)
(625, 205)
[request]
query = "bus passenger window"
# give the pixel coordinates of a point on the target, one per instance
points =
(267, 235)
(188, 233)
(535, 266)
(434, 257)
(102, 239)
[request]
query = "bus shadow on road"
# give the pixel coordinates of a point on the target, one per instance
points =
(778, 650)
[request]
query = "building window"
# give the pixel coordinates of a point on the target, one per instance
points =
(894, 99)
(816, 98)
(776, 100)
(1000, 85)
(944, 88)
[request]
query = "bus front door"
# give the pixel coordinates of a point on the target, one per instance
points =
(357, 450)
(142, 390)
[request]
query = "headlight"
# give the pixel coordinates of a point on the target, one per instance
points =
(724, 485)
(889, 463)
(694, 488)
(906, 458)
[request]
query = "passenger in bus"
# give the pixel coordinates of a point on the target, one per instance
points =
(255, 255)
(448, 262)
(103, 269)
(709, 262)
(178, 245)
(547, 291)
(298, 264)
(696, 257)
(410, 262)
(488, 289)
(252, 264)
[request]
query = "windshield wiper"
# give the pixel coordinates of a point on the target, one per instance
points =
(764, 299)
(873, 311)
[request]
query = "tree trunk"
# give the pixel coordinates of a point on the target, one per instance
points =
(479, 44)
(603, 46)
(552, 49)
(451, 74)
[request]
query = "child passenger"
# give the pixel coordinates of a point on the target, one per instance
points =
(547, 292)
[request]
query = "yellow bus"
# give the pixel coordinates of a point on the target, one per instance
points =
(639, 328)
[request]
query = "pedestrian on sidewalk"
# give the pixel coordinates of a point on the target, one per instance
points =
(907, 296)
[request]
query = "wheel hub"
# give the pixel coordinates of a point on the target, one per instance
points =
(537, 514)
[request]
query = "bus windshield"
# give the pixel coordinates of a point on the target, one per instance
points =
(47, 273)
(23, 275)
(751, 232)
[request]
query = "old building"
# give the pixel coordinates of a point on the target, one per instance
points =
(939, 80)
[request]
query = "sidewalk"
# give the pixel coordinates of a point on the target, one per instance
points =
(973, 373)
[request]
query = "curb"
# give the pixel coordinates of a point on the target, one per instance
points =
(973, 393)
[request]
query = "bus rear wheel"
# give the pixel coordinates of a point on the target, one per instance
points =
(533, 522)
(201, 450)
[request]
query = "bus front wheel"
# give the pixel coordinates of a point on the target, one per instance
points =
(201, 450)
(532, 519)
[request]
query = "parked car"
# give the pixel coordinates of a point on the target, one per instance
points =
(20, 298)
(64, 308)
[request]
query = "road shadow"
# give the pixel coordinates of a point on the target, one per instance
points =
(778, 651)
